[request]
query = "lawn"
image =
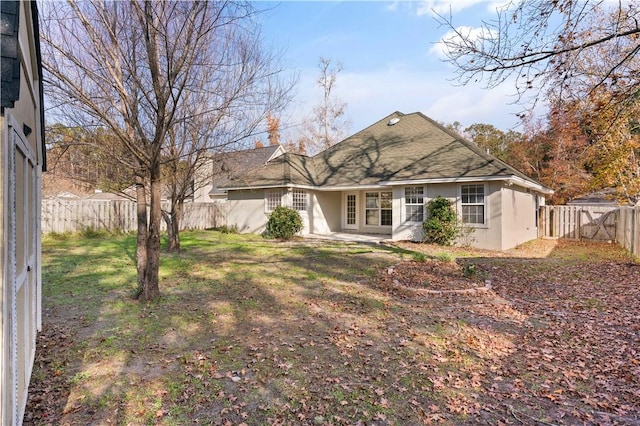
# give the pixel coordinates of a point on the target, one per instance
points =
(253, 331)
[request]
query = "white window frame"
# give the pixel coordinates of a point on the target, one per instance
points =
(413, 201)
(378, 208)
(273, 199)
(462, 204)
(299, 200)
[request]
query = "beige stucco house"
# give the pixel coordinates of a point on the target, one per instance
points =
(22, 160)
(379, 181)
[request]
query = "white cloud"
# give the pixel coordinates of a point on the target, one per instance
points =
(393, 6)
(443, 7)
(472, 34)
(370, 96)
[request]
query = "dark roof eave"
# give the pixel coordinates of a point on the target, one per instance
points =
(507, 178)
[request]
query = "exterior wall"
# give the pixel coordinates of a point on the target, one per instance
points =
(519, 214)
(403, 230)
(510, 214)
(21, 160)
(487, 236)
(322, 209)
(246, 210)
(203, 183)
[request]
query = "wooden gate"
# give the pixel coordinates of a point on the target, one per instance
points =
(578, 222)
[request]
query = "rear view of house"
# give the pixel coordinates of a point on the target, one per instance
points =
(379, 180)
(22, 160)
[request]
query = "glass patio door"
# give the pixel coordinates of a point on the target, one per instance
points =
(351, 210)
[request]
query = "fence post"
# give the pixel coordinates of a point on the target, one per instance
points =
(633, 230)
(579, 213)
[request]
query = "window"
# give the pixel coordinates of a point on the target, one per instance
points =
(378, 208)
(273, 199)
(295, 199)
(414, 203)
(473, 205)
(299, 200)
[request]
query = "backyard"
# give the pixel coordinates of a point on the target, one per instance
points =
(254, 331)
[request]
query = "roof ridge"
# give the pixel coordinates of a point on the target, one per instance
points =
(355, 135)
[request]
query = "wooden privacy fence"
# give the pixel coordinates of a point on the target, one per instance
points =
(578, 222)
(619, 224)
(120, 215)
(628, 229)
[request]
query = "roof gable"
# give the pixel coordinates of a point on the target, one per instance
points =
(414, 148)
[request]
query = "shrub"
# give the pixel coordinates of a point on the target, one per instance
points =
(233, 229)
(284, 223)
(442, 225)
(91, 232)
(58, 236)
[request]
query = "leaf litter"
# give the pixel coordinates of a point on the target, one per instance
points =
(555, 341)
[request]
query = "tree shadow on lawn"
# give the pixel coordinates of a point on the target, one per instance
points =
(265, 333)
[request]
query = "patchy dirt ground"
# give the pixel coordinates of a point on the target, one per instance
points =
(332, 337)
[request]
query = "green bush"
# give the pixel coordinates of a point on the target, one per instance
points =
(91, 232)
(233, 229)
(284, 223)
(442, 225)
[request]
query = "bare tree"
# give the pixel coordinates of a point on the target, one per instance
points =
(134, 68)
(582, 57)
(241, 88)
(326, 126)
(542, 43)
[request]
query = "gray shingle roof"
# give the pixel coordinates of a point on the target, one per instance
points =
(235, 165)
(414, 148)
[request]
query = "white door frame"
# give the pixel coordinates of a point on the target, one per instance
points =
(351, 221)
(22, 291)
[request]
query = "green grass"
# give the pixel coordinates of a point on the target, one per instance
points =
(250, 330)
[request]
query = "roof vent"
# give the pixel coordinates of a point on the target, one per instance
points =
(393, 121)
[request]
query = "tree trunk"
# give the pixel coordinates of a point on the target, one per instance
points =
(151, 287)
(141, 248)
(173, 226)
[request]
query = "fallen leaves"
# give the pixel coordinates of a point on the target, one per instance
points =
(556, 341)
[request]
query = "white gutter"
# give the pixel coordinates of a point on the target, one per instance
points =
(309, 187)
(509, 179)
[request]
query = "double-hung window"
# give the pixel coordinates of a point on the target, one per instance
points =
(414, 203)
(473, 204)
(378, 208)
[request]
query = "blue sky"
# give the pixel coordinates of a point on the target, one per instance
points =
(390, 56)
